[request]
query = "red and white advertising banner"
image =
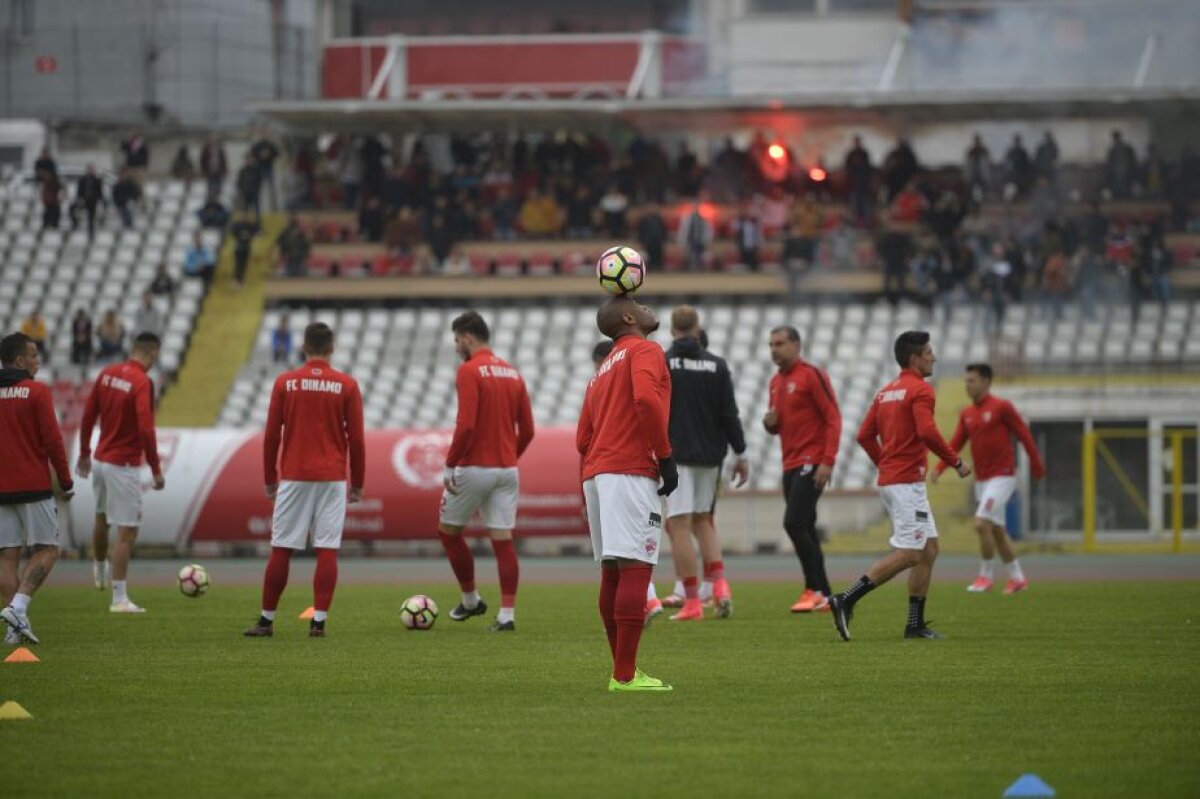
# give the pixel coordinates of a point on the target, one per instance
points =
(214, 488)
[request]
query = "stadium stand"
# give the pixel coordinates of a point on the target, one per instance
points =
(61, 271)
(405, 361)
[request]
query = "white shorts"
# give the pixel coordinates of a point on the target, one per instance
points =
(992, 496)
(301, 507)
(118, 493)
(697, 491)
(624, 516)
(493, 490)
(912, 520)
(29, 524)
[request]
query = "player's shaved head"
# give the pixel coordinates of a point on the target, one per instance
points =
(618, 315)
(146, 342)
(685, 320)
(14, 347)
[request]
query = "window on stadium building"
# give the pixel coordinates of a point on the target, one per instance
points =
(1055, 501)
(1191, 468)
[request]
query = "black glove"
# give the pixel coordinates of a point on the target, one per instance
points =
(668, 472)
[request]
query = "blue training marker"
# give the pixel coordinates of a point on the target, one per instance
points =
(1028, 785)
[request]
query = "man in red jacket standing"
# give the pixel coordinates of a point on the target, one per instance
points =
(493, 429)
(897, 434)
(28, 514)
(990, 423)
(804, 413)
(122, 399)
(622, 436)
(316, 418)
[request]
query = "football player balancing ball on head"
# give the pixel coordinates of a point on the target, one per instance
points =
(314, 425)
(28, 513)
(704, 423)
(989, 424)
(622, 437)
(493, 429)
(897, 434)
(804, 413)
(122, 399)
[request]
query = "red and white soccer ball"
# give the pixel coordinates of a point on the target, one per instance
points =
(621, 270)
(418, 612)
(193, 580)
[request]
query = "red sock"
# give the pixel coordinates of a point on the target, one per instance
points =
(461, 560)
(325, 579)
(691, 588)
(714, 571)
(510, 571)
(276, 577)
(629, 613)
(610, 578)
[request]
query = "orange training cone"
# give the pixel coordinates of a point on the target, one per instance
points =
(22, 655)
(308, 614)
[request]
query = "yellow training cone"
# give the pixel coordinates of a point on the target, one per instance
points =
(22, 655)
(308, 614)
(11, 711)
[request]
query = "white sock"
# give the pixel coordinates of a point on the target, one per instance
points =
(651, 593)
(470, 599)
(1014, 571)
(269, 615)
(20, 603)
(706, 589)
(506, 615)
(987, 568)
(119, 592)
(320, 615)
(678, 589)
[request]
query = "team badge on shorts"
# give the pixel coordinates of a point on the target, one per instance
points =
(651, 548)
(918, 535)
(991, 501)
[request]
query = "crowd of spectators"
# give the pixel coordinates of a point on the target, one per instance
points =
(925, 227)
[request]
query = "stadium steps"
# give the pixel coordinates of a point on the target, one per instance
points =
(224, 335)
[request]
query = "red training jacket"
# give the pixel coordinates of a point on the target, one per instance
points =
(623, 425)
(990, 425)
(899, 430)
(810, 423)
(316, 413)
(495, 421)
(122, 399)
(31, 436)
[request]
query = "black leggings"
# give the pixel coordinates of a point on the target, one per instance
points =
(800, 522)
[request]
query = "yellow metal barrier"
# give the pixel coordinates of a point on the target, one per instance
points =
(1093, 444)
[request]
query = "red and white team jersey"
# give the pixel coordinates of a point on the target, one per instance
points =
(899, 431)
(623, 425)
(316, 413)
(122, 399)
(810, 423)
(32, 438)
(495, 420)
(989, 425)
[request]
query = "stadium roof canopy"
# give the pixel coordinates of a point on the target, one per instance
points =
(716, 114)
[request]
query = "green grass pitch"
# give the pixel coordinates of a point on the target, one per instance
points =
(1093, 686)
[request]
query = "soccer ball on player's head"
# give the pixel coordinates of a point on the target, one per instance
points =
(418, 612)
(621, 270)
(193, 580)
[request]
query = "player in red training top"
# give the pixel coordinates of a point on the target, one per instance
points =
(28, 513)
(804, 414)
(622, 436)
(122, 399)
(990, 423)
(897, 434)
(314, 424)
(493, 429)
